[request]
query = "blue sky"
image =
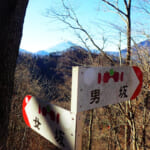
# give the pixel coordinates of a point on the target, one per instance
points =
(41, 32)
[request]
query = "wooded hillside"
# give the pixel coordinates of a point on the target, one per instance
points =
(49, 78)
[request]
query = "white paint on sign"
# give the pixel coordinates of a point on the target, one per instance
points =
(66, 120)
(100, 86)
(89, 76)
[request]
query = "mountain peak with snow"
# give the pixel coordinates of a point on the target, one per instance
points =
(61, 47)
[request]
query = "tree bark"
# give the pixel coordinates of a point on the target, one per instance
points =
(12, 14)
(90, 129)
(128, 58)
(127, 129)
(144, 120)
(134, 136)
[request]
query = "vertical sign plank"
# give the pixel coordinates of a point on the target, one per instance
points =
(75, 89)
(79, 121)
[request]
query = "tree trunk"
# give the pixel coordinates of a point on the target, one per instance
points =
(128, 58)
(90, 129)
(127, 129)
(12, 14)
(134, 136)
(146, 99)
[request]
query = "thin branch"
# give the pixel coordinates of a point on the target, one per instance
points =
(119, 48)
(129, 4)
(122, 17)
(89, 52)
(148, 12)
(110, 4)
(121, 108)
(72, 16)
(125, 2)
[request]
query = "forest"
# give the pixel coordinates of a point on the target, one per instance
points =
(121, 126)
(49, 78)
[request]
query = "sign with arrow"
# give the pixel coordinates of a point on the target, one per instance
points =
(100, 86)
(52, 122)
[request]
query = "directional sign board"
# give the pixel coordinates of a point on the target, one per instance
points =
(52, 122)
(100, 86)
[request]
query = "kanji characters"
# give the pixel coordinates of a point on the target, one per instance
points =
(123, 91)
(59, 136)
(37, 123)
(95, 96)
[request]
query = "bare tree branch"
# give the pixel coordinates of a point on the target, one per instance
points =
(110, 4)
(72, 21)
(126, 5)
(85, 44)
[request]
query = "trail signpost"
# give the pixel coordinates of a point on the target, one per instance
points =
(100, 86)
(91, 88)
(52, 122)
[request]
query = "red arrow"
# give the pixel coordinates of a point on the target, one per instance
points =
(139, 75)
(25, 102)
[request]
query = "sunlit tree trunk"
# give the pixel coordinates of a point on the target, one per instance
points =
(128, 58)
(126, 16)
(147, 97)
(90, 129)
(12, 14)
(127, 129)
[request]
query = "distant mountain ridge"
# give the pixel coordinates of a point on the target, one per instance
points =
(61, 47)
(57, 48)
(66, 45)
(143, 44)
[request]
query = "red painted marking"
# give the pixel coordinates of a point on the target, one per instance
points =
(57, 118)
(99, 78)
(116, 76)
(139, 75)
(25, 102)
(44, 111)
(39, 109)
(50, 113)
(121, 77)
(107, 76)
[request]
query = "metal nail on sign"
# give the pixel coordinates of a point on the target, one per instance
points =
(100, 86)
(52, 122)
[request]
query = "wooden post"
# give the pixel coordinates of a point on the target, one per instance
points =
(74, 108)
(78, 142)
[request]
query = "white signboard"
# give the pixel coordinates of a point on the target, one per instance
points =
(100, 86)
(52, 122)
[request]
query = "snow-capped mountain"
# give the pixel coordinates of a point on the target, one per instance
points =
(24, 51)
(56, 49)
(66, 45)
(61, 47)
(41, 53)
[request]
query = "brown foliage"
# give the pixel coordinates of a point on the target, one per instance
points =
(108, 122)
